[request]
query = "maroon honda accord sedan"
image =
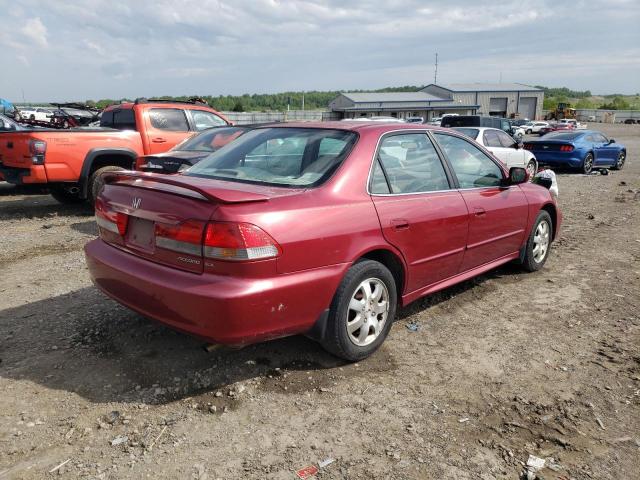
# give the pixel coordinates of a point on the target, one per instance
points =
(322, 229)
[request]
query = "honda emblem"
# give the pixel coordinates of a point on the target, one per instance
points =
(135, 203)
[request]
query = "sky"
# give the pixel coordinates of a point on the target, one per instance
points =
(67, 50)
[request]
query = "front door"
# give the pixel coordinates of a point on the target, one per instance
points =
(420, 214)
(606, 153)
(498, 215)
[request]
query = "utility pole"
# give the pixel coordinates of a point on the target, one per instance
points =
(435, 75)
(303, 101)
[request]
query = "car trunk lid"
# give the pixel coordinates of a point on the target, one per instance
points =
(165, 218)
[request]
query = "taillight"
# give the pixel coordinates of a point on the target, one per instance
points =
(185, 237)
(238, 241)
(37, 148)
(110, 220)
(566, 148)
(528, 146)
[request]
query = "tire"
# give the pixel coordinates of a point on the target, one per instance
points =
(528, 132)
(587, 164)
(65, 124)
(96, 182)
(622, 156)
(359, 343)
(66, 194)
(32, 117)
(531, 168)
(534, 259)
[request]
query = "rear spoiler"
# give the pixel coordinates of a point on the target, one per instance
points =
(184, 187)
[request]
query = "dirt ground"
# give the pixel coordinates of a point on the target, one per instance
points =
(501, 367)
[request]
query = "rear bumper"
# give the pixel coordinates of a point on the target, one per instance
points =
(560, 159)
(20, 176)
(218, 308)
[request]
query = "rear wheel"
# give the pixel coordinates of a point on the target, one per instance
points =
(67, 194)
(539, 243)
(622, 156)
(587, 163)
(96, 182)
(361, 312)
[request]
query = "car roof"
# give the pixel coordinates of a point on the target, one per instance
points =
(358, 126)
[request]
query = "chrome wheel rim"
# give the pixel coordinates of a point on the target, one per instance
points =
(588, 163)
(531, 170)
(621, 159)
(368, 311)
(541, 241)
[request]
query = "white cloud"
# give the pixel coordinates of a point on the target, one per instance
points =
(35, 31)
(119, 48)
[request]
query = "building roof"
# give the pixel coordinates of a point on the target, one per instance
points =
(486, 87)
(368, 97)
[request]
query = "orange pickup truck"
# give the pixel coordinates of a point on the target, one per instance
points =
(71, 162)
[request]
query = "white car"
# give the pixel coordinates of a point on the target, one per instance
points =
(534, 127)
(39, 114)
(576, 124)
(504, 147)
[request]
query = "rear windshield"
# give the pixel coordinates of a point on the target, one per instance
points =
(211, 140)
(563, 135)
(287, 157)
(120, 119)
(469, 132)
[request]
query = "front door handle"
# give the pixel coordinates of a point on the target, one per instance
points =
(400, 223)
(158, 140)
(479, 211)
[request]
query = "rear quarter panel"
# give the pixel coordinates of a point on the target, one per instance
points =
(66, 149)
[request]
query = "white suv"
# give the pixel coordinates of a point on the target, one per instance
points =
(39, 114)
(534, 127)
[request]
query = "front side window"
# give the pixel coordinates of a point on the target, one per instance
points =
(203, 120)
(491, 139)
(410, 164)
(171, 119)
(506, 140)
(288, 157)
(472, 167)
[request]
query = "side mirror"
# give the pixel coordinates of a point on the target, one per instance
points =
(611, 140)
(517, 175)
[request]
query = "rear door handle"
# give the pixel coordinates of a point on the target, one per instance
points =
(400, 223)
(158, 140)
(479, 211)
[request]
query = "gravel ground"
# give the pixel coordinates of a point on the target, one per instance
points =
(502, 367)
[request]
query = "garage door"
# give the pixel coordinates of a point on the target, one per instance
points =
(528, 107)
(498, 106)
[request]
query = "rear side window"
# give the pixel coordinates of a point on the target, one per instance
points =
(203, 120)
(410, 164)
(472, 167)
(171, 119)
(506, 140)
(120, 119)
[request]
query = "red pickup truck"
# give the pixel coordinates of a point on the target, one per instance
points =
(71, 162)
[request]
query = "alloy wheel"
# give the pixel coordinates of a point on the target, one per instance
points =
(588, 163)
(541, 241)
(368, 312)
(621, 158)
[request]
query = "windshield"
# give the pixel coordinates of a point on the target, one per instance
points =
(288, 157)
(469, 132)
(210, 140)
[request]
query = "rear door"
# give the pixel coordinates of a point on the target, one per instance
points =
(419, 211)
(166, 127)
(497, 215)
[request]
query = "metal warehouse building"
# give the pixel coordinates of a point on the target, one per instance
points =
(495, 99)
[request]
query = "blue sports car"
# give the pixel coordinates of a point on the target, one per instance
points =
(582, 149)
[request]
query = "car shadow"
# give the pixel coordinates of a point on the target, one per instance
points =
(39, 205)
(85, 343)
(89, 227)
